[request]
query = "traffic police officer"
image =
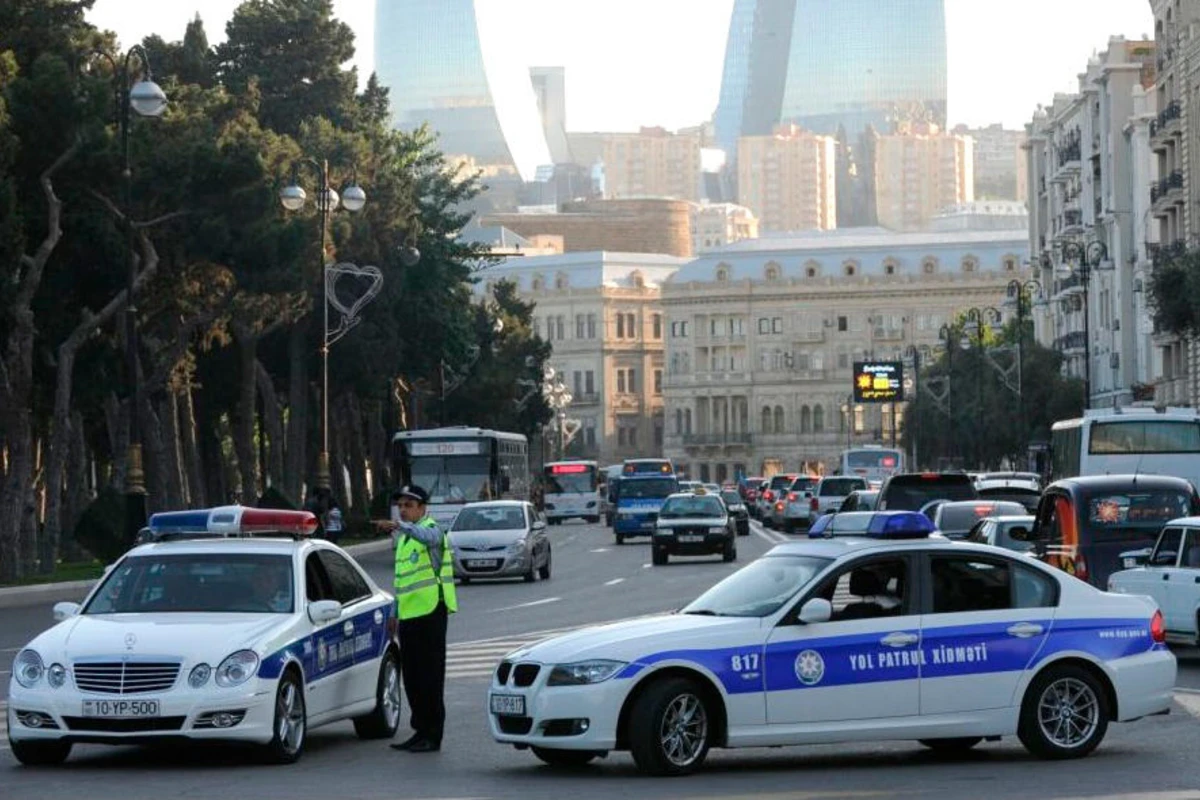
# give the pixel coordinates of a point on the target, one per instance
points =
(424, 599)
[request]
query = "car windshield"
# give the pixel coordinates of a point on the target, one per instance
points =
(758, 589)
(209, 582)
(495, 518)
(731, 498)
(840, 487)
(694, 506)
(912, 492)
(961, 517)
(643, 488)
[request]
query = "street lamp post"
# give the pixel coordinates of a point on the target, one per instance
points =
(147, 98)
(558, 397)
(353, 198)
(913, 352)
(946, 334)
(978, 323)
(1089, 257)
(1023, 295)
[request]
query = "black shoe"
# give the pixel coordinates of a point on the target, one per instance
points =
(407, 743)
(424, 746)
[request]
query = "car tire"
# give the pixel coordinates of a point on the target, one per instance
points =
(592, 521)
(951, 747)
(1057, 697)
(620, 538)
(658, 557)
(744, 531)
(384, 719)
(544, 571)
(729, 552)
(531, 574)
(660, 708)
(565, 759)
(290, 725)
(40, 753)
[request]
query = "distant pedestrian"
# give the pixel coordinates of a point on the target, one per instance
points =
(424, 600)
(333, 521)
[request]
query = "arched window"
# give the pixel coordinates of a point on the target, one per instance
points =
(722, 272)
(687, 420)
(773, 271)
(929, 265)
(560, 281)
(970, 264)
(637, 279)
(539, 283)
(678, 421)
(805, 419)
(1010, 263)
(779, 419)
(849, 268)
(811, 269)
(766, 419)
(818, 419)
(890, 267)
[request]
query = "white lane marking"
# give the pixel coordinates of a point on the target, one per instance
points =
(614, 581)
(769, 536)
(530, 604)
(9, 649)
(599, 550)
(1189, 701)
(647, 566)
(1186, 690)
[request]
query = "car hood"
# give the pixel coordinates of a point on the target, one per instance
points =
(200, 637)
(636, 638)
(482, 540)
(691, 522)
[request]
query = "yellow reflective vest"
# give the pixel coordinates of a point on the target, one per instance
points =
(417, 586)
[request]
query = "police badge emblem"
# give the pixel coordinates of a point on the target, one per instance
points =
(810, 667)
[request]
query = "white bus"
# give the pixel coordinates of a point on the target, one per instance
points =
(572, 489)
(872, 461)
(1126, 441)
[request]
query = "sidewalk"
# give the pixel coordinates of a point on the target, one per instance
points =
(74, 591)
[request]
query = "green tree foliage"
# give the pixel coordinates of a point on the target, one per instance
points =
(1174, 292)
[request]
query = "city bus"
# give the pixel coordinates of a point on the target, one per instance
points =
(1127, 441)
(647, 466)
(872, 461)
(572, 489)
(461, 465)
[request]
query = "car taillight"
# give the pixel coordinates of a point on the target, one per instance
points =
(1158, 630)
(779, 506)
(813, 504)
(768, 495)
(792, 497)
(1081, 568)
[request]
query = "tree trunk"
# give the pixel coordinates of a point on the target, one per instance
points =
(192, 462)
(337, 455)
(297, 425)
(117, 423)
(379, 447)
(208, 435)
(273, 429)
(356, 455)
(155, 456)
(168, 415)
(244, 413)
(78, 491)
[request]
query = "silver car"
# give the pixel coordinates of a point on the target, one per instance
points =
(500, 539)
(831, 491)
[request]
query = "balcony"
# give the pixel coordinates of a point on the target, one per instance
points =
(718, 439)
(1073, 342)
(887, 334)
(1166, 185)
(1163, 253)
(586, 399)
(809, 336)
(1167, 119)
(1067, 284)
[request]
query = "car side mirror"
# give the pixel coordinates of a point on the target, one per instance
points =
(539, 525)
(65, 611)
(818, 609)
(1138, 558)
(322, 611)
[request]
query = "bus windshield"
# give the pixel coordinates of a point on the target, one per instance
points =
(1149, 436)
(570, 479)
(451, 479)
(872, 459)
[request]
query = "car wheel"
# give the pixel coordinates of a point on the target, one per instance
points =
(384, 719)
(744, 531)
(669, 730)
(1064, 715)
(659, 556)
(544, 572)
(40, 754)
(620, 538)
(531, 574)
(565, 758)
(951, 747)
(729, 552)
(291, 722)
(592, 521)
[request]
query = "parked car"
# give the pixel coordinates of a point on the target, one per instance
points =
(737, 510)
(955, 520)
(860, 500)
(693, 525)
(500, 539)
(998, 532)
(1169, 572)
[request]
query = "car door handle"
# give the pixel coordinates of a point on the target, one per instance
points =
(348, 628)
(1166, 577)
(1024, 630)
(899, 639)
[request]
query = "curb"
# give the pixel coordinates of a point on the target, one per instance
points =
(36, 594)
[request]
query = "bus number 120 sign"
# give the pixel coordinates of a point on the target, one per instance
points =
(878, 381)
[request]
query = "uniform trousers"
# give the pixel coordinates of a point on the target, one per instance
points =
(423, 669)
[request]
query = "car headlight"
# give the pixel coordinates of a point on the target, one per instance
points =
(517, 546)
(583, 672)
(56, 676)
(199, 675)
(237, 668)
(28, 668)
(716, 530)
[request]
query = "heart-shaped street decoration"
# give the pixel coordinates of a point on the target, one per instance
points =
(348, 288)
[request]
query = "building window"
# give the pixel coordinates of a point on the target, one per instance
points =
(764, 325)
(562, 324)
(777, 325)
(779, 419)
(805, 419)
(683, 330)
(657, 326)
(589, 382)
(889, 267)
(929, 265)
(1010, 264)
(766, 419)
(630, 328)
(850, 269)
(658, 381)
(579, 326)
(621, 435)
(772, 271)
(539, 283)
(589, 432)
(713, 326)
(631, 380)
(843, 324)
(633, 437)
(621, 381)
(578, 376)
(560, 281)
(537, 326)
(722, 274)
(970, 264)
(620, 326)
(658, 434)
(687, 420)
(818, 419)
(678, 421)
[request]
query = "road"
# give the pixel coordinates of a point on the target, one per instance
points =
(594, 581)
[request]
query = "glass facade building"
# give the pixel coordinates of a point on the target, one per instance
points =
(442, 68)
(825, 64)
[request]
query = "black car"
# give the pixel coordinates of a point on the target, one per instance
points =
(737, 509)
(914, 491)
(691, 524)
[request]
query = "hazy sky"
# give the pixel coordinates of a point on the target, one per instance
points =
(658, 62)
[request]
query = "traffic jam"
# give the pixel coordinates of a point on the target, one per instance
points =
(946, 608)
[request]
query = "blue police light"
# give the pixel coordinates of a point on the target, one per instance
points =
(179, 522)
(820, 528)
(900, 525)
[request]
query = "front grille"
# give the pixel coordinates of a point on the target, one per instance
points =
(124, 677)
(502, 672)
(481, 548)
(525, 674)
(518, 726)
(140, 725)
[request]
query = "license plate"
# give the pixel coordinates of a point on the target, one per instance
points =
(508, 705)
(646, 524)
(1130, 563)
(690, 537)
(483, 563)
(120, 709)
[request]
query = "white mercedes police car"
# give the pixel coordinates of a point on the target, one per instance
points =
(206, 633)
(893, 635)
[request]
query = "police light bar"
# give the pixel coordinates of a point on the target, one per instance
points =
(820, 528)
(900, 525)
(229, 521)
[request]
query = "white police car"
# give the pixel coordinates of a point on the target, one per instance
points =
(894, 635)
(207, 634)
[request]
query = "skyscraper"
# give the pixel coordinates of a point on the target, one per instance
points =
(442, 68)
(825, 64)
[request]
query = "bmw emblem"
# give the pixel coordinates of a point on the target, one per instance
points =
(810, 667)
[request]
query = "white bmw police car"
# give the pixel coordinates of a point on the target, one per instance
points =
(205, 633)
(893, 635)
